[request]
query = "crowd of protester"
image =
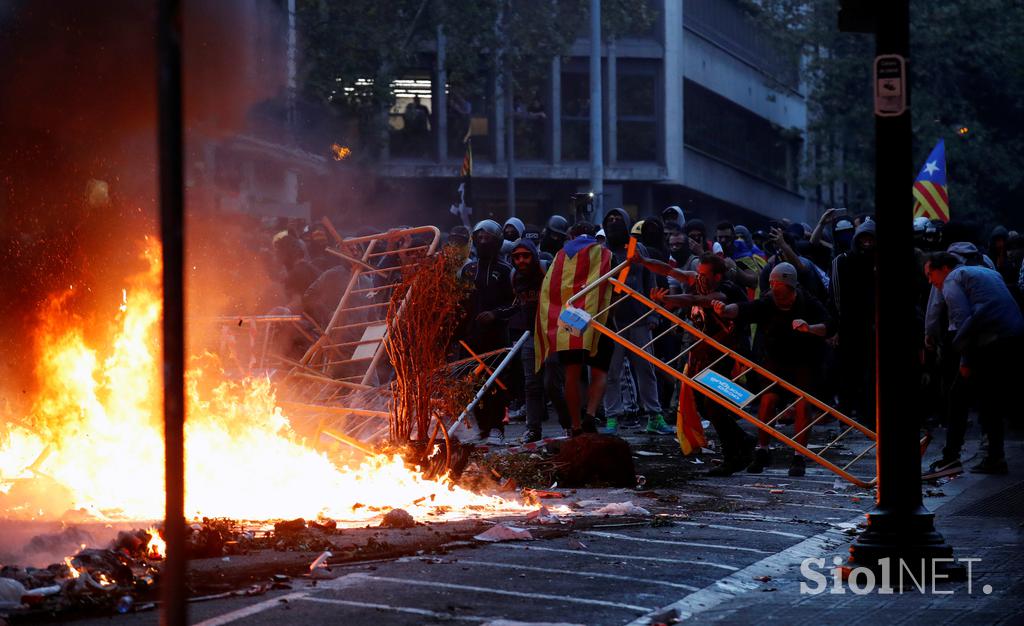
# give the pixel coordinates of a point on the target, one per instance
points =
(797, 299)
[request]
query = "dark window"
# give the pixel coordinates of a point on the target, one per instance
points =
(725, 130)
(637, 117)
(575, 116)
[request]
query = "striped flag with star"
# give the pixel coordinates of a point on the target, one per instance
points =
(931, 199)
(568, 274)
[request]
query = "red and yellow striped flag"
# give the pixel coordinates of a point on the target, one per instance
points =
(689, 429)
(567, 276)
(931, 198)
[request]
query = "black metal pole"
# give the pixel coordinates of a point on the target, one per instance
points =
(899, 526)
(172, 230)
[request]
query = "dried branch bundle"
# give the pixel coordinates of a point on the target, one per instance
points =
(422, 317)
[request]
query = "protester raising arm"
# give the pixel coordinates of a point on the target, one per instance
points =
(664, 269)
(819, 229)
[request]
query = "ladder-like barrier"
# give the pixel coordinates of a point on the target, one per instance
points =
(346, 356)
(723, 390)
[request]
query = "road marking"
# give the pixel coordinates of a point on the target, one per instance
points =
(741, 529)
(548, 570)
(717, 546)
(504, 592)
(825, 506)
(252, 609)
(804, 491)
(401, 609)
(624, 557)
(777, 566)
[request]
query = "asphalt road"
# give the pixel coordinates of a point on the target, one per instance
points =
(705, 534)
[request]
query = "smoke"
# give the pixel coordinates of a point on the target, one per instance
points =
(78, 145)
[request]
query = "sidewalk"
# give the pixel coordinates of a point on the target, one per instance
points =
(980, 516)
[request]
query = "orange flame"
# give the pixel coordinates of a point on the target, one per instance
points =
(157, 547)
(99, 417)
(340, 152)
(74, 572)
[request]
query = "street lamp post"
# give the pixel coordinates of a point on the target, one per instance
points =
(899, 526)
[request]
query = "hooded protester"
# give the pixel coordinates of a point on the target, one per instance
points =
(698, 234)
(673, 219)
(511, 232)
(527, 278)
(998, 252)
(616, 227)
(491, 280)
(852, 298)
(554, 235)
(744, 233)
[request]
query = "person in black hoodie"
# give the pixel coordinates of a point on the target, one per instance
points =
(527, 277)
(852, 299)
(616, 228)
(491, 279)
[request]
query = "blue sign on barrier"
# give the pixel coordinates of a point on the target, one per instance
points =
(724, 387)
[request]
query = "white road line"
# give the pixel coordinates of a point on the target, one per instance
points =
(826, 507)
(786, 489)
(777, 566)
(621, 557)
(547, 570)
(741, 529)
(715, 546)
(753, 517)
(736, 496)
(250, 610)
(504, 592)
(401, 609)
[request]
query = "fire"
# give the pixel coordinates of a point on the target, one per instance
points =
(96, 430)
(157, 548)
(71, 568)
(340, 152)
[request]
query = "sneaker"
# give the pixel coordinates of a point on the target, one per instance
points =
(497, 439)
(611, 426)
(588, 424)
(943, 467)
(990, 465)
(797, 466)
(656, 426)
(761, 461)
(530, 436)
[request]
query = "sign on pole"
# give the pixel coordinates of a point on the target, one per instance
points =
(890, 85)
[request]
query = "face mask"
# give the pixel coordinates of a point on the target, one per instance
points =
(616, 234)
(487, 251)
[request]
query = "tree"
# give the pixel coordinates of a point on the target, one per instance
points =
(346, 43)
(965, 73)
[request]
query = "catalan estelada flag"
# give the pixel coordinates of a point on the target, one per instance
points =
(931, 199)
(689, 429)
(579, 263)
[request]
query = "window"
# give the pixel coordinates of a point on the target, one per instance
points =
(725, 130)
(637, 101)
(575, 116)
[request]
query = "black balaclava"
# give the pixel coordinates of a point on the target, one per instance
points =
(616, 234)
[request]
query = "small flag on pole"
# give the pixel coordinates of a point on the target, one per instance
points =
(931, 199)
(464, 196)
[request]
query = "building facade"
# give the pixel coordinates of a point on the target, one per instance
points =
(703, 110)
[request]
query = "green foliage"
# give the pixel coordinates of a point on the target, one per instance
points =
(368, 39)
(965, 72)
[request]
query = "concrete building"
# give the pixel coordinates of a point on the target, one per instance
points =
(700, 111)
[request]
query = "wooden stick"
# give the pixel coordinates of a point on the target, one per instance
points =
(483, 366)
